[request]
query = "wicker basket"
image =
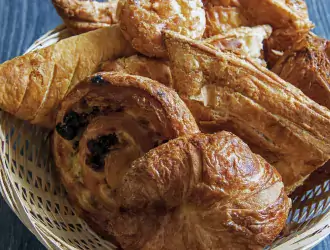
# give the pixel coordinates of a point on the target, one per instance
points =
(28, 185)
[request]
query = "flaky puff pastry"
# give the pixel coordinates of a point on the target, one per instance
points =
(104, 124)
(278, 121)
(143, 21)
(307, 66)
(154, 69)
(83, 16)
(199, 192)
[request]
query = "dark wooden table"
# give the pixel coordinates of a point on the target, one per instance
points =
(21, 23)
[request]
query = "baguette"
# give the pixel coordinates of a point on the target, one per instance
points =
(33, 85)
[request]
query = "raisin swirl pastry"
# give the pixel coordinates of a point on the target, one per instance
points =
(104, 124)
(199, 192)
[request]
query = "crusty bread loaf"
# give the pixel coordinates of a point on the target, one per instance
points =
(31, 86)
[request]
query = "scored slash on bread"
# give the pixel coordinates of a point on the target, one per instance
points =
(227, 92)
(33, 85)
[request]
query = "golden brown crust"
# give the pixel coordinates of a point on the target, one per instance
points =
(143, 21)
(154, 69)
(23, 83)
(196, 192)
(83, 16)
(290, 130)
(307, 66)
(33, 85)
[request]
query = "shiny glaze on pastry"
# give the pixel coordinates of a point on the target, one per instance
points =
(224, 91)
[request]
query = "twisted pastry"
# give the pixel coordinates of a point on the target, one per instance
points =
(83, 16)
(143, 21)
(104, 124)
(197, 192)
(225, 91)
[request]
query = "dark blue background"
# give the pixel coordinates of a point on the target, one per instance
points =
(21, 23)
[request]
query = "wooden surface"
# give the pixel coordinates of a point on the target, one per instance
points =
(21, 23)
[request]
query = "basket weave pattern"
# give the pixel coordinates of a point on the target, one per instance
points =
(29, 185)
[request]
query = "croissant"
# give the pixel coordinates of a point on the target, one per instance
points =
(307, 66)
(33, 85)
(83, 16)
(224, 91)
(154, 69)
(196, 192)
